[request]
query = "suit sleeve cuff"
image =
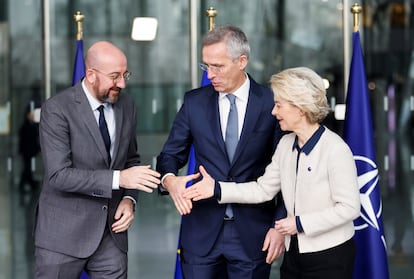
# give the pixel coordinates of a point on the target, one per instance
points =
(217, 191)
(280, 212)
(298, 224)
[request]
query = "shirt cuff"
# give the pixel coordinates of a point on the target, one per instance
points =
(162, 180)
(132, 199)
(115, 180)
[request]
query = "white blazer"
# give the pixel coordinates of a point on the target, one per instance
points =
(324, 192)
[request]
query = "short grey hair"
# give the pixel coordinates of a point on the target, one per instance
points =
(234, 38)
(303, 88)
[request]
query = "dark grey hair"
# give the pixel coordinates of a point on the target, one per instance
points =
(232, 36)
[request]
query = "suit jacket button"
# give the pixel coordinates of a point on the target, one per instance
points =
(104, 208)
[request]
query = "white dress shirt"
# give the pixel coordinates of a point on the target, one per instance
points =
(242, 97)
(110, 122)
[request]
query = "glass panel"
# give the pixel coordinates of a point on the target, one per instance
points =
(6, 233)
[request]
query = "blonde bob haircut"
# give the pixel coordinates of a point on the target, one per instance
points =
(303, 88)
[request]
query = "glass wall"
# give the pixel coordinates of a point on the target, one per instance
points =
(282, 34)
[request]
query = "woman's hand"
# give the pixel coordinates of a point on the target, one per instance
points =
(286, 226)
(203, 189)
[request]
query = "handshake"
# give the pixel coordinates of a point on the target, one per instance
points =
(145, 179)
(183, 197)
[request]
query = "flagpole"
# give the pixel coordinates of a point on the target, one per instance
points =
(356, 10)
(211, 13)
(79, 66)
(46, 48)
(345, 23)
(78, 18)
(193, 43)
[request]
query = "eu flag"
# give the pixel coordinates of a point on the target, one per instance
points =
(79, 67)
(78, 73)
(190, 170)
(371, 258)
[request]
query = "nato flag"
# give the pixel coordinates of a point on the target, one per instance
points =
(371, 258)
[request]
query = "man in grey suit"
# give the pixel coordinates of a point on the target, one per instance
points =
(90, 187)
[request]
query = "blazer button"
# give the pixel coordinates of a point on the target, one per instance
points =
(104, 208)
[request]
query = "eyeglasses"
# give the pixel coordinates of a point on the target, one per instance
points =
(116, 77)
(214, 69)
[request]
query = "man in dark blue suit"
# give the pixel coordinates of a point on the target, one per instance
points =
(233, 240)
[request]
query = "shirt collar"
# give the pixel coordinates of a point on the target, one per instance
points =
(92, 101)
(310, 144)
(242, 92)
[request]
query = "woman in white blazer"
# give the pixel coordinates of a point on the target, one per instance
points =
(315, 170)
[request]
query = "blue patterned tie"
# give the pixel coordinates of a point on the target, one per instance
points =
(104, 131)
(232, 138)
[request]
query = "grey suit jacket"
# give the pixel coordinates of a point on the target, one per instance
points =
(77, 200)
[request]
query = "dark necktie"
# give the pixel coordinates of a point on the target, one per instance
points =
(104, 131)
(232, 138)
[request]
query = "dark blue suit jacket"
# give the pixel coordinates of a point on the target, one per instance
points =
(198, 123)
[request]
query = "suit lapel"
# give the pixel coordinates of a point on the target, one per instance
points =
(253, 110)
(118, 124)
(213, 115)
(83, 107)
